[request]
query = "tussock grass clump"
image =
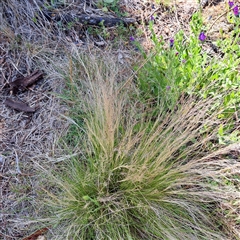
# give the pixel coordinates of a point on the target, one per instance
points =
(135, 178)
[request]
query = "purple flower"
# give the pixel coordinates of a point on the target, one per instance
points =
(171, 42)
(202, 37)
(152, 18)
(184, 61)
(176, 53)
(230, 4)
(235, 10)
(132, 39)
(168, 88)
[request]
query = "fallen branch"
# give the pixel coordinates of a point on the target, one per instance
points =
(106, 21)
(20, 106)
(88, 19)
(23, 82)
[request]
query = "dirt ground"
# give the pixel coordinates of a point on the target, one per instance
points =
(31, 116)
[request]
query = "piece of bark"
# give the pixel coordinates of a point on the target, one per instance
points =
(20, 106)
(23, 82)
(36, 234)
(92, 19)
(2, 60)
(106, 21)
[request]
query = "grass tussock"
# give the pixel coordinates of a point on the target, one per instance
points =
(135, 178)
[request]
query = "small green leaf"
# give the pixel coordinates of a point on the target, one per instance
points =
(34, 19)
(86, 198)
(105, 9)
(220, 130)
(108, 1)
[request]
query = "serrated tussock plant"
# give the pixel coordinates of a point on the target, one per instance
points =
(137, 178)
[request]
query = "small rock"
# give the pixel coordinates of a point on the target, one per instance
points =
(100, 44)
(166, 30)
(120, 58)
(41, 237)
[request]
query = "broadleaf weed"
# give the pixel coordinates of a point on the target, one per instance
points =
(184, 68)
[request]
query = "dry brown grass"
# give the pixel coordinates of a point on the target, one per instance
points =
(25, 47)
(28, 140)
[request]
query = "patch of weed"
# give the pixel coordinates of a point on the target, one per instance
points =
(184, 68)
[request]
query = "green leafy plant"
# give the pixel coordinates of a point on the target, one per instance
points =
(99, 31)
(184, 68)
(111, 5)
